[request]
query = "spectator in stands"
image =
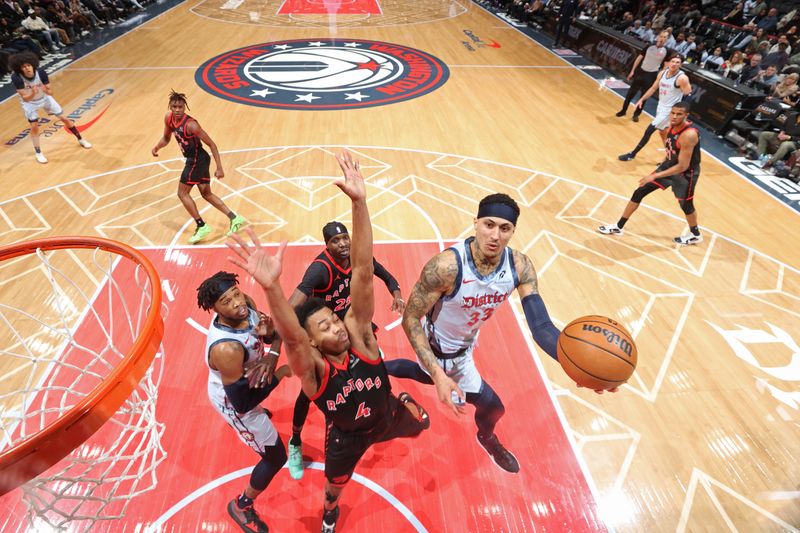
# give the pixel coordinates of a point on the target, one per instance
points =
(704, 28)
(732, 68)
(712, 61)
(750, 8)
(779, 144)
(671, 39)
(627, 22)
(782, 38)
(736, 15)
(634, 29)
(769, 22)
(742, 38)
(787, 90)
(787, 19)
(697, 54)
(780, 58)
(11, 11)
(750, 71)
(659, 20)
(687, 46)
(766, 78)
(647, 34)
(41, 30)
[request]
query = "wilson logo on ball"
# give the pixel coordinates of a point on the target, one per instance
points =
(322, 74)
(611, 338)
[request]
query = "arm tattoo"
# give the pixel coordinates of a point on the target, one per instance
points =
(436, 279)
(526, 272)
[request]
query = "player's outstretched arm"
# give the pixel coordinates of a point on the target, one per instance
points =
(542, 328)
(362, 295)
(437, 279)
(165, 137)
(266, 270)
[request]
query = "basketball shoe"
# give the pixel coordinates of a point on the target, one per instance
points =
(84, 143)
(610, 229)
(247, 518)
(627, 157)
(422, 415)
(689, 238)
(296, 461)
(41, 158)
(236, 224)
(499, 454)
(329, 519)
(199, 234)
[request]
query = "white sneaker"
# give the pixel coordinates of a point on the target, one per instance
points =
(610, 229)
(84, 143)
(689, 238)
(41, 158)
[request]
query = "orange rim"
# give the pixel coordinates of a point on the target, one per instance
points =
(43, 449)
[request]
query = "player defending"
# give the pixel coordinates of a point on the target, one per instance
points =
(235, 343)
(328, 277)
(338, 361)
(33, 87)
(458, 290)
(190, 137)
(680, 170)
(672, 85)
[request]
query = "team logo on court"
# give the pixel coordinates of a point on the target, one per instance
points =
(322, 74)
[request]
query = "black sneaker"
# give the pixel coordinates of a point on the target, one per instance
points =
(247, 518)
(422, 415)
(501, 457)
(327, 526)
(620, 114)
(627, 157)
(689, 238)
(636, 118)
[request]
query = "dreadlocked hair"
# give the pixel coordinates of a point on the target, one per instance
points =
(178, 97)
(211, 289)
(16, 61)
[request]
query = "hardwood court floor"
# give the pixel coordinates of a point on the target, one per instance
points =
(704, 437)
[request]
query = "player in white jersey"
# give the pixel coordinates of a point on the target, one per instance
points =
(33, 87)
(672, 85)
(235, 349)
(458, 290)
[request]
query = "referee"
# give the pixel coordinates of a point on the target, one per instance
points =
(644, 71)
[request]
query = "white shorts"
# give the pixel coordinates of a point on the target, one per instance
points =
(463, 371)
(254, 427)
(31, 109)
(661, 120)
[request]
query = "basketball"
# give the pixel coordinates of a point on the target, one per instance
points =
(597, 352)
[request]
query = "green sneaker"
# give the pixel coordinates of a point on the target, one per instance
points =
(236, 224)
(296, 461)
(199, 234)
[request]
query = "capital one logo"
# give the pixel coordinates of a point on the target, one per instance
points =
(742, 340)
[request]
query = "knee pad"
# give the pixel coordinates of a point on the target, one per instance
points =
(687, 206)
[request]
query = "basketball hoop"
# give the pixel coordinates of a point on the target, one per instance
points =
(80, 328)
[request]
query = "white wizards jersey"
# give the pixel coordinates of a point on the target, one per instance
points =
(253, 346)
(452, 324)
(669, 93)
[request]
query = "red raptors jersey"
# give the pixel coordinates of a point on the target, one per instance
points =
(190, 145)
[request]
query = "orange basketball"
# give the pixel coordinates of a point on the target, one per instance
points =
(597, 352)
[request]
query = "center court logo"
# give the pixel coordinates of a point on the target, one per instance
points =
(322, 74)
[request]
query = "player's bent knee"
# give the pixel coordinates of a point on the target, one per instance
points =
(339, 482)
(687, 206)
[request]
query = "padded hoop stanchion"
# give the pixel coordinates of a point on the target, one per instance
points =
(48, 446)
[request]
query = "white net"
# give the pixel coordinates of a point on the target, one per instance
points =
(67, 319)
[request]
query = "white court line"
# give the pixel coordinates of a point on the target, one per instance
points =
(358, 478)
(192, 322)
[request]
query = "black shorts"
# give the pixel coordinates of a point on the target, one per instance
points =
(683, 184)
(197, 169)
(343, 450)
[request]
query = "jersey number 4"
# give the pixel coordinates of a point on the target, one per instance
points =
(480, 316)
(362, 411)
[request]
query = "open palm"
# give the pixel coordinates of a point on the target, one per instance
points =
(353, 184)
(264, 268)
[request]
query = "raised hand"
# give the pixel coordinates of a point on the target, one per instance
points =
(353, 183)
(265, 268)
